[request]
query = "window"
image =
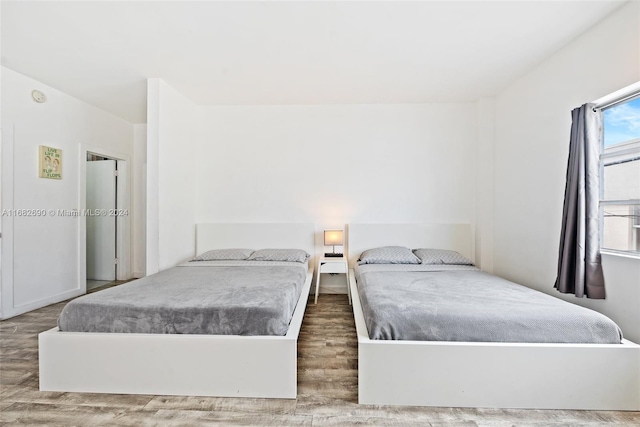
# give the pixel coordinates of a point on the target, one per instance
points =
(620, 175)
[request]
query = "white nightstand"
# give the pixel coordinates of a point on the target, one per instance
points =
(333, 265)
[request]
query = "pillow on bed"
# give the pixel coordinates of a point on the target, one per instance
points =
(441, 256)
(289, 255)
(224, 255)
(388, 255)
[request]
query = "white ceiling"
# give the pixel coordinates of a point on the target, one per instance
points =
(286, 52)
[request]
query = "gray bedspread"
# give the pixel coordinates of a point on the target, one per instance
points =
(217, 298)
(462, 303)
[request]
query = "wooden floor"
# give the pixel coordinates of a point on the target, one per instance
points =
(327, 389)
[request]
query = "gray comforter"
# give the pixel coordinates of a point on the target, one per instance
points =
(218, 298)
(462, 303)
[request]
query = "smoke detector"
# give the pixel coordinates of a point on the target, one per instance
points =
(38, 96)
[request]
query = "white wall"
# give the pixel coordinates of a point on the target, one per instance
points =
(139, 199)
(40, 254)
(171, 187)
(531, 149)
(336, 164)
(484, 184)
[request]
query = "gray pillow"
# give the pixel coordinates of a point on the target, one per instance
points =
(441, 256)
(290, 255)
(388, 255)
(224, 255)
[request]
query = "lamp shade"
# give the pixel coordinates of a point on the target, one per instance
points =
(332, 237)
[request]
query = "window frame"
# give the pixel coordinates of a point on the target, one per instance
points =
(621, 152)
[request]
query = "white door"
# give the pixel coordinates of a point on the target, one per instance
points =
(101, 227)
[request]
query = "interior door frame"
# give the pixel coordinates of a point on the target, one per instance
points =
(123, 222)
(101, 230)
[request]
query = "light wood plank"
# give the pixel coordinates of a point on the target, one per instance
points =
(223, 404)
(192, 418)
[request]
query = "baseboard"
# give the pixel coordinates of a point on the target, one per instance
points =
(333, 289)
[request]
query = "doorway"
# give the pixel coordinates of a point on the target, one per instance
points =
(118, 219)
(101, 220)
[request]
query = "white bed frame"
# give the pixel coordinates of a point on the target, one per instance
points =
(192, 365)
(497, 375)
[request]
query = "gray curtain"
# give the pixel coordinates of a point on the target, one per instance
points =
(579, 267)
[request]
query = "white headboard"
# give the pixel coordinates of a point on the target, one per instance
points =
(457, 237)
(255, 236)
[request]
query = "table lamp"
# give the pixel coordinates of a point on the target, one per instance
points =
(333, 238)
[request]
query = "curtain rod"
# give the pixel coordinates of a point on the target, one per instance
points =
(616, 101)
(622, 95)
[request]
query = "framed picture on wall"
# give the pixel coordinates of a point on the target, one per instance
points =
(50, 162)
